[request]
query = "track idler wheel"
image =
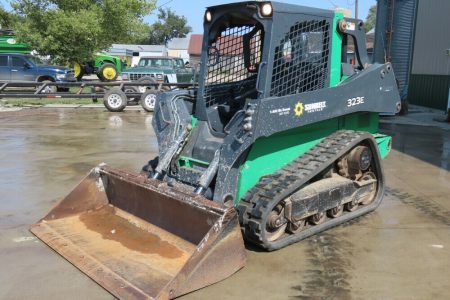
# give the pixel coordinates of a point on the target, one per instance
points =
(296, 226)
(351, 206)
(370, 196)
(276, 224)
(336, 211)
(317, 218)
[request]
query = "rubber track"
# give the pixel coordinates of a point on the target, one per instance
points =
(257, 203)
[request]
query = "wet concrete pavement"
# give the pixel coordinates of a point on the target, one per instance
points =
(401, 251)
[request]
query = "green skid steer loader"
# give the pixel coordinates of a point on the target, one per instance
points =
(279, 142)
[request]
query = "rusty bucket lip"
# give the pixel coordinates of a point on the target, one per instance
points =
(180, 192)
(99, 272)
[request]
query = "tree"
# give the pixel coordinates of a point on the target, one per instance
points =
(371, 18)
(7, 19)
(73, 30)
(168, 26)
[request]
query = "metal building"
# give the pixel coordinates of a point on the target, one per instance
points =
(178, 47)
(140, 50)
(414, 35)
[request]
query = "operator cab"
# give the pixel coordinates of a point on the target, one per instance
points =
(248, 44)
(232, 59)
(248, 54)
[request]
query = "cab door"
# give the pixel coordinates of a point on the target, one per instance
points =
(5, 70)
(21, 70)
(184, 75)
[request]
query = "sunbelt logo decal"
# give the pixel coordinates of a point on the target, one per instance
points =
(300, 108)
(316, 106)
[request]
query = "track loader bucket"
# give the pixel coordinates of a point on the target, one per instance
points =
(140, 238)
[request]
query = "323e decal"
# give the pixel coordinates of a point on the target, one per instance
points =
(355, 101)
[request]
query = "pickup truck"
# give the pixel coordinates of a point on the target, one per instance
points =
(25, 67)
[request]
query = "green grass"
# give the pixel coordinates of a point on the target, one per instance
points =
(31, 101)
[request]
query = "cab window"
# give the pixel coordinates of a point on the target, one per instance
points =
(3, 61)
(164, 63)
(178, 63)
(155, 62)
(18, 62)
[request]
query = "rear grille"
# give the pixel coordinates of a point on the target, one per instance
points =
(301, 59)
(136, 76)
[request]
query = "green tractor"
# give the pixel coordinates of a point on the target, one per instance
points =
(106, 67)
(279, 142)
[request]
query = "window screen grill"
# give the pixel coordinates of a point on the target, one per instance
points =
(301, 59)
(226, 60)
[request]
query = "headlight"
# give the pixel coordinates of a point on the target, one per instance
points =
(208, 16)
(159, 76)
(266, 9)
(124, 76)
(60, 76)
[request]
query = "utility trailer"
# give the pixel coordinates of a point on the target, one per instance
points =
(116, 95)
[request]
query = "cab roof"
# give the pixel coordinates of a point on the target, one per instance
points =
(278, 7)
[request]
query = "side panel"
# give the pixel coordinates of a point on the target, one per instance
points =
(336, 51)
(272, 153)
(373, 90)
(269, 154)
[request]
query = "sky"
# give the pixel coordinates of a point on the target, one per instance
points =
(194, 10)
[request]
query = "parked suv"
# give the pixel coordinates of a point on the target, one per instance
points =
(160, 69)
(25, 67)
(154, 69)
